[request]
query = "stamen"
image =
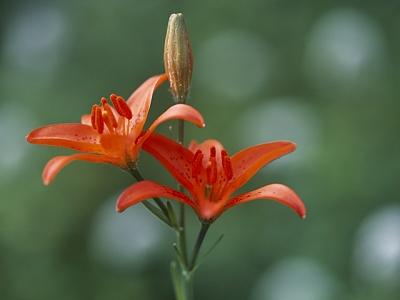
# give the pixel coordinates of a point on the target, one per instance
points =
(110, 114)
(103, 101)
(208, 171)
(197, 163)
(99, 120)
(226, 164)
(212, 167)
(213, 152)
(107, 121)
(93, 116)
(127, 113)
(121, 106)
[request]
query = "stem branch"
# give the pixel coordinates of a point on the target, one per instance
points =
(199, 241)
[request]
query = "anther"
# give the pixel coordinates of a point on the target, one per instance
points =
(197, 163)
(121, 106)
(103, 101)
(212, 167)
(93, 116)
(213, 152)
(99, 120)
(226, 164)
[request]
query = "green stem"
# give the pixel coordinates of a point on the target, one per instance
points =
(182, 244)
(181, 131)
(181, 134)
(199, 241)
(181, 234)
(183, 284)
(135, 173)
(187, 285)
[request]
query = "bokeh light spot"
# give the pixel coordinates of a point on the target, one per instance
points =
(15, 122)
(34, 39)
(235, 63)
(297, 279)
(346, 47)
(377, 248)
(285, 118)
(124, 241)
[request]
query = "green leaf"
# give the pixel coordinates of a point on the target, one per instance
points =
(177, 282)
(158, 213)
(180, 257)
(172, 216)
(207, 253)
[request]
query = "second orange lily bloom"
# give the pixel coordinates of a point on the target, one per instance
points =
(109, 134)
(211, 176)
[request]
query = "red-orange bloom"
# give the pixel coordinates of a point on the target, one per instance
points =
(210, 175)
(110, 134)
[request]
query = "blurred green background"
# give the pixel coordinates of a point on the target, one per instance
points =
(323, 74)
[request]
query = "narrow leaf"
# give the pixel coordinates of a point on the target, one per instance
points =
(177, 282)
(158, 213)
(172, 216)
(207, 253)
(180, 258)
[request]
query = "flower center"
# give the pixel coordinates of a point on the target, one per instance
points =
(105, 115)
(213, 175)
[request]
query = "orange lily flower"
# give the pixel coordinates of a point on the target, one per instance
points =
(109, 134)
(210, 175)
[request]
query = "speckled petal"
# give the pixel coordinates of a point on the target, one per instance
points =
(79, 137)
(276, 192)
(57, 163)
(148, 189)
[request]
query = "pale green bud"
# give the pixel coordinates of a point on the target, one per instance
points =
(178, 58)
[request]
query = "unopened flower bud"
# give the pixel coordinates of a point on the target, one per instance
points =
(178, 58)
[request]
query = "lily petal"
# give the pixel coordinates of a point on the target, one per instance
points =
(248, 161)
(86, 120)
(113, 144)
(57, 163)
(148, 189)
(173, 156)
(179, 111)
(74, 136)
(276, 192)
(139, 102)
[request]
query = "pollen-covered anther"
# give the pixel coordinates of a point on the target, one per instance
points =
(93, 116)
(212, 168)
(99, 123)
(197, 162)
(213, 152)
(226, 164)
(121, 106)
